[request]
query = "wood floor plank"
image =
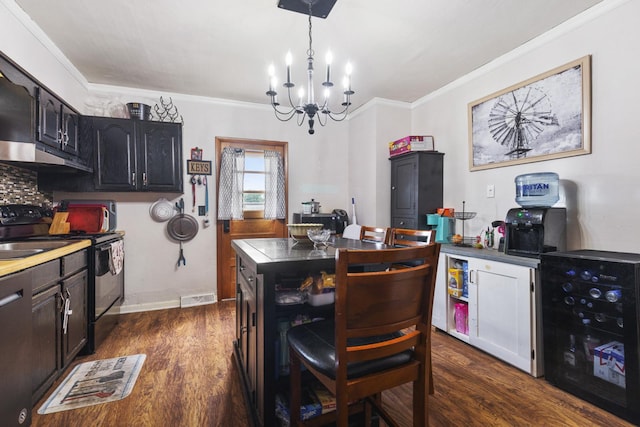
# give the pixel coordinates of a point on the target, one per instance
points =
(189, 379)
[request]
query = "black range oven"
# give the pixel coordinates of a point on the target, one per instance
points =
(105, 285)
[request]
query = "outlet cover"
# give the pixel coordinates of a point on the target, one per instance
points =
(491, 191)
(201, 211)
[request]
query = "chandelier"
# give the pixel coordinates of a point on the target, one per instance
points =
(310, 109)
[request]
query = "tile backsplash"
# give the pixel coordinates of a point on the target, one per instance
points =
(20, 186)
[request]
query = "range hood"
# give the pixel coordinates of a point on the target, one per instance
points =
(17, 133)
(28, 155)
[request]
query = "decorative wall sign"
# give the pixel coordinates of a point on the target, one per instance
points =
(199, 167)
(545, 117)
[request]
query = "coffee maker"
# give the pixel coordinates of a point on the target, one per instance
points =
(443, 226)
(536, 230)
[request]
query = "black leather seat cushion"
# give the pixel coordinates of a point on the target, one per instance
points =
(316, 343)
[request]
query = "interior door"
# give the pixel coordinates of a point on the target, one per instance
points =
(252, 226)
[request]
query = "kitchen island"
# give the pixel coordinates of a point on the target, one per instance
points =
(262, 267)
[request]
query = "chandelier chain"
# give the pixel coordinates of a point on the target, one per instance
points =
(310, 51)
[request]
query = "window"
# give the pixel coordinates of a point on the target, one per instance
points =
(253, 194)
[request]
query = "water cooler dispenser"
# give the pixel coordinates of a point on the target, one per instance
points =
(590, 327)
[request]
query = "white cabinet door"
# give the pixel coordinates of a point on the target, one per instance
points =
(500, 310)
(439, 313)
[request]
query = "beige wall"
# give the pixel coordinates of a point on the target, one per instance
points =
(599, 190)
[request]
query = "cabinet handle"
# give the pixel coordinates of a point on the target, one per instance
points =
(393, 187)
(144, 179)
(242, 268)
(401, 222)
(67, 311)
(60, 138)
(133, 178)
(65, 138)
(243, 329)
(472, 278)
(10, 298)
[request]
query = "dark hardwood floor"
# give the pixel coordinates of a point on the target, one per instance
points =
(189, 379)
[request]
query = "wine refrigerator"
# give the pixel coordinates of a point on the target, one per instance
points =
(590, 327)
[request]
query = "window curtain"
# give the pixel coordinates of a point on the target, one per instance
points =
(230, 185)
(274, 206)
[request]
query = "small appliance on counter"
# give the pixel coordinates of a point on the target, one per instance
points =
(443, 226)
(335, 221)
(90, 216)
(311, 207)
(535, 227)
(531, 232)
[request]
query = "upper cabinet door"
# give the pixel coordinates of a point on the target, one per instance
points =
(49, 121)
(160, 156)
(70, 131)
(115, 155)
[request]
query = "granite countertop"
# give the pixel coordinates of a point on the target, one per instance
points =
(276, 250)
(18, 264)
(490, 254)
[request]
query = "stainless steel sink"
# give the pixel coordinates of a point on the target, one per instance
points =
(33, 245)
(23, 249)
(18, 253)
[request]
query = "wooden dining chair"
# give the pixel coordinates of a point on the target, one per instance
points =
(379, 338)
(409, 237)
(374, 234)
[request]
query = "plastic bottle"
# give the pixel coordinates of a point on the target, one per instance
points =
(537, 189)
(589, 343)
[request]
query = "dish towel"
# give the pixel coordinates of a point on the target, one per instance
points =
(116, 262)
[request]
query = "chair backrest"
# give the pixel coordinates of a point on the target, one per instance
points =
(374, 234)
(409, 237)
(383, 302)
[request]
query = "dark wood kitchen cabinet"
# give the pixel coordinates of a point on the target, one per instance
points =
(46, 345)
(133, 155)
(416, 188)
(246, 325)
(15, 357)
(126, 156)
(59, 318)
(58, 125)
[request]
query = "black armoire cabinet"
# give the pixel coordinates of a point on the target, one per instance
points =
(416, 188)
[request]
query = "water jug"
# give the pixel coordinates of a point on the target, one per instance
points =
(537, 189)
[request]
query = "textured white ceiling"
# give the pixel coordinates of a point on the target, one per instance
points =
(400, 49)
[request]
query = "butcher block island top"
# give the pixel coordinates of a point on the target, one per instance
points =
(263, 268)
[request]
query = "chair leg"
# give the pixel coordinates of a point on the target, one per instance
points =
(431, 388)
(295, 389)
(421, 398)
(342, 410)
